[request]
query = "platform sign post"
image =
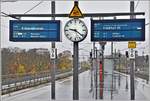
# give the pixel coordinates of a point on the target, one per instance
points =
(101, 68)
(132, 60)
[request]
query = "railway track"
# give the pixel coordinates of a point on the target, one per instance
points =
(15, 84)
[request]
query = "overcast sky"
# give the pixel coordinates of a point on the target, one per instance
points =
(65, 7)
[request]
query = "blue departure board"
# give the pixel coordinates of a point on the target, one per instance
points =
(118, 30)
(34, 30)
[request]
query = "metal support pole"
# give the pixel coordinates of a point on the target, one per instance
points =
(96, 79)
(112, 54)
(101, 73)
(112, 43)
(91, 70)
(53, 60)
(94, 69)
(103, 70)
(115, 69)
(119, 69)
(115, 60)
(149, 49)
(126, 73)
(0, 58)
(112, 49)
(102, 44)
(149, 52)
(132, 78)
(75, 68)
(75, 72)
(112, 86)
(132, 60)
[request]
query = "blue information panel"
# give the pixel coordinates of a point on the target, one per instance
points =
(118, 30)
(34, 30)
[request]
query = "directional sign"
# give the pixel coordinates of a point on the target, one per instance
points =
(131, 44)
(53, 53)
(76, 12)
(34, 30)
(132, 54)
(118, 30)
(93, 55)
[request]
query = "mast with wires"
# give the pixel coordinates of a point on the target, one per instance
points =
(132, 87)
(53, 60)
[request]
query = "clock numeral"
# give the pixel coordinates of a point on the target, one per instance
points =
(75, 21)
(66, 30)
(77, 38)
(71, 38)
(67, 34)
(80, 22)
(70, 22)
(82, 35)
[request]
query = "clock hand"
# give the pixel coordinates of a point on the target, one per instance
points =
(73, 29)
(79, 33)
(76, 31)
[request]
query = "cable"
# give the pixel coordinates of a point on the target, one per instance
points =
(3, 1)
(146, 24)
(25, 12)
(33, 7)
(10, 16)
(137, 4)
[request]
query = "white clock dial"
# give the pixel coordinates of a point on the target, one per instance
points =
(75, 30)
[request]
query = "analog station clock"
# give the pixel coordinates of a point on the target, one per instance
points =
(75, 30)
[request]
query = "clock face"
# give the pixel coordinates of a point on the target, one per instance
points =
(75, 30)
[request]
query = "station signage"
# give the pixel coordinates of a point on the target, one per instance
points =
(118, 30)
(34, 30)
(131, 44)
(75, 12)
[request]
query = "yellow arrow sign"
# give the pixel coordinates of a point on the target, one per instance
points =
(76, 12)
(131, 44)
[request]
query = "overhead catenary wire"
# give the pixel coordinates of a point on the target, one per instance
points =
(146, 24)
(26, 11)
(136, 4)
(34, 7)
(4, 14)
